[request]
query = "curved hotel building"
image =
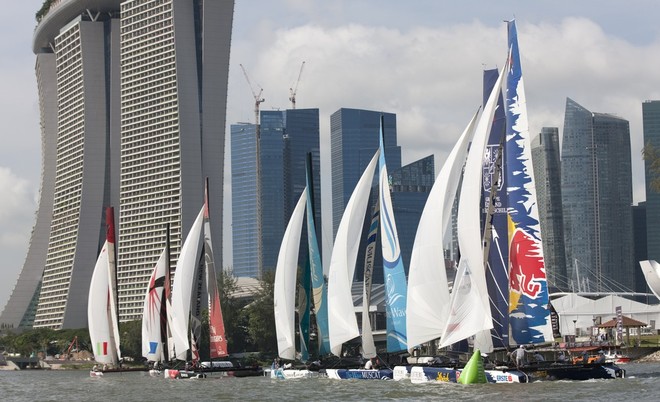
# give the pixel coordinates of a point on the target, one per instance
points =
(133, 98)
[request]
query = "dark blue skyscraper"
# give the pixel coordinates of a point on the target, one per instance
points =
(651, 123)
(285, 139)
(597, 198)
(354, 140)
(547, 171)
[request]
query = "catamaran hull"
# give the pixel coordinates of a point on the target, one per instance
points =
(359, 374)
(581, 372)
(419, 375)
(401, 373)
(294, 373)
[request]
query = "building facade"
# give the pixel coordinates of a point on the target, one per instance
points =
(353, 141)
(285, 139)
(597, 198)
(547, 171)
(123, 87)
(651, 127)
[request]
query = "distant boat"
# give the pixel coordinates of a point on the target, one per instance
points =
(155, 329)
(195, 277)
(102, 304)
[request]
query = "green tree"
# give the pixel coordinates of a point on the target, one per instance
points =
(130, 333)
(233, 314)
(651, 156)
(261, 319)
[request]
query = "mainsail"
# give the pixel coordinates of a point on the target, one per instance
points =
(393, 271)
(428, 291)
(469, 312)
(185, 275)
(319, 287)
(102, 308)
(368, 345)
(154, 318)
(217, 339)
(494, 215)
(285, 282)
(341, 312)
(528, 291)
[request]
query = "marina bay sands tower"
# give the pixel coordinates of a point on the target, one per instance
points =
(132, 97)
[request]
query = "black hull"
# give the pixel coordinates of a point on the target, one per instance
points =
(576, 372)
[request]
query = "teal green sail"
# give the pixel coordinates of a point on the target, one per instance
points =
(474, 372)
(318, 283)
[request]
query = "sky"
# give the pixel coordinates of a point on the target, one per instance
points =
(422, 60)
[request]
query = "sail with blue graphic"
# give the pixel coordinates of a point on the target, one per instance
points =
(393, 271)
(529, 314)
(318, 283)
(494, 208)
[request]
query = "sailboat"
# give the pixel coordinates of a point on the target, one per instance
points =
(285, 284)
(468, 311)
(195, 277)
(342, 320)
(102, 304)
(155, 330)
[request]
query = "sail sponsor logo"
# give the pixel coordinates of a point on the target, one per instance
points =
(527, 270)
(153, 346)
(443, 377)
(392, 295)
(491, 155)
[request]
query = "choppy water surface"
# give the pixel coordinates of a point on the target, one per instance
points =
(642, 384)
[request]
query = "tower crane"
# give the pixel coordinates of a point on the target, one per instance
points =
(257, 97)
(292, 91)
(257, 100)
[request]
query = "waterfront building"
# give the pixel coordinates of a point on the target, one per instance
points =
(285, 139)
(132, 97)
(597, 198)
(651, 127)
(640, 246)
(547, 171)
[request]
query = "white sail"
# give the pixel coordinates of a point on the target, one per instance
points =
(183, 283)
(284, 294)
(428, 291)
(470, 307)
(651, 270)
(101, 303)
(342, 322)
(152, 344)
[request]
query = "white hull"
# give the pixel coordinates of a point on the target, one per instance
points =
(294, 373)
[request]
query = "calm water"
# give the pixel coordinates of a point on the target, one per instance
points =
(642, 384)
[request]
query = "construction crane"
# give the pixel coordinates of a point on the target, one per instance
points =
(292, 91)
(257, 98)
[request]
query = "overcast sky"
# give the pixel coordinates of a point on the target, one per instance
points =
(421, 59)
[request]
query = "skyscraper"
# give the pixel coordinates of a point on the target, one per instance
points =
(597, 198)
(547, 171)
(285, 139)
(133, 99)
(411, 185)
(651, 126)
(353, 141)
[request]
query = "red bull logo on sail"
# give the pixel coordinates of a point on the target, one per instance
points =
(527, 268)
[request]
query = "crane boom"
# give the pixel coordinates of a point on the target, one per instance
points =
(257, 97)
(294, 89)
